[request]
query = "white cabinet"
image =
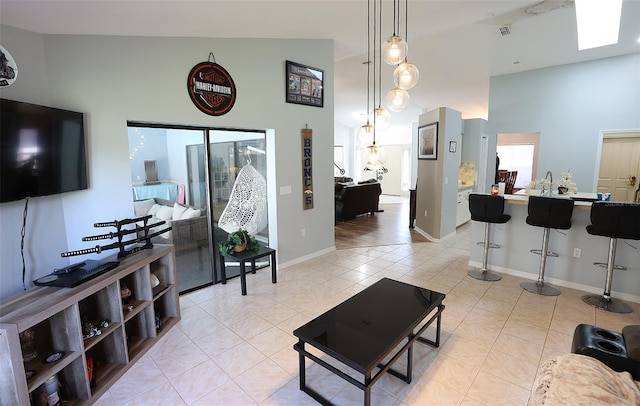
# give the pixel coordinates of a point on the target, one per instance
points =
(54, 317)
(462, 214)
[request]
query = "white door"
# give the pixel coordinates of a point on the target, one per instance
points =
(391, 182)
(619, 163)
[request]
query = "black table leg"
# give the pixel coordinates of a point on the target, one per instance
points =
(223, 271)
(243, 279)
(274, 278)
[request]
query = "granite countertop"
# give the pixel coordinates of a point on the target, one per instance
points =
(465, 186)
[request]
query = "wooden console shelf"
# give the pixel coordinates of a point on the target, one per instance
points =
(54, 317)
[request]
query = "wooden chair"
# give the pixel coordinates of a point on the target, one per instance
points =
(509, 179)
(510, 182)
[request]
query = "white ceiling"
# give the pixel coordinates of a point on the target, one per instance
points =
(455, 44)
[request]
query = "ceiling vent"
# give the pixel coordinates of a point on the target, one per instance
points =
(505, 30)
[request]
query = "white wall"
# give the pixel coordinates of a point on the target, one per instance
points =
(569, 106)
(115, 79)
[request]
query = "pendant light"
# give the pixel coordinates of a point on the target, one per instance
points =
(395, 48)
(365, 135)
(382, 116)
(406, 75)
(397, 99)
(374, 156)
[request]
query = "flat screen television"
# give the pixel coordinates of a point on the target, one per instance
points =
(42, 151)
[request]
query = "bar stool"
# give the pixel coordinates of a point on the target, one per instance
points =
(613, 220)
(547, 212)
(488, 209)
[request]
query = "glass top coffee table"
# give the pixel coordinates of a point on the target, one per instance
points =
(382, 321)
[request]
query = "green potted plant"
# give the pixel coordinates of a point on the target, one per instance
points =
(238, 241)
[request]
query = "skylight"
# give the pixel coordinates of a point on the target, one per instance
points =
(598, 22)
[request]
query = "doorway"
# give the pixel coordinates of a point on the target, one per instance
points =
(619, 172)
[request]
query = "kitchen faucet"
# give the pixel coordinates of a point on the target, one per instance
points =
(544, 186)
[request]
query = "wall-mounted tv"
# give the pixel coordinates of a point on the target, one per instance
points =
(42, 151)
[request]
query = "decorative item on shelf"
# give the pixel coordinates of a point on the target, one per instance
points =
(53, 357)
(27, 344)
(92, 328)
(125, 293)
(239, 241)
(91, 372)
(140, 230)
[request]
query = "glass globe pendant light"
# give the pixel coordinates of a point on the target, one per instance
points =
(397, 99)
(365, 134)
(374, 157)
(406, 75)
(394, 50)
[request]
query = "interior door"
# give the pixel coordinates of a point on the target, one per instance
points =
(391, 182)
(619, 163)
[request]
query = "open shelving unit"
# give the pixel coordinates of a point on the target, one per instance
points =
(53, 316)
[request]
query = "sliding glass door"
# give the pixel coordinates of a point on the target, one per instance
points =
(192, 189)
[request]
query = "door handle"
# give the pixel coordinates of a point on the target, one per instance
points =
(632, 180)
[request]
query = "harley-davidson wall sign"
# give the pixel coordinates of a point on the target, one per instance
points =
(211, 88)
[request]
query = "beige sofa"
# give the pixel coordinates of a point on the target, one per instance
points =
(189, 224)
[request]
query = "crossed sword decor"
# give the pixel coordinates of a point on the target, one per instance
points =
(119, 234)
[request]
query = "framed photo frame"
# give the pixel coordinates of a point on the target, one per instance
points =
(428, 141)
(305, 84)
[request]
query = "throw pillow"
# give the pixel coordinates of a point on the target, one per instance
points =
(141, 207)
(165, 213)
(178, 210)
(154, 209)
(191, 213)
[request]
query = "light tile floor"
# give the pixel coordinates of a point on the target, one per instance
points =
(230, 349)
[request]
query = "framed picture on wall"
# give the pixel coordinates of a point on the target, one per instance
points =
(304, 85)
(428, 141)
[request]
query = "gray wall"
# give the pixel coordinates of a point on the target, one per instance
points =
(115, 79)
(569, 105)
(437, 180)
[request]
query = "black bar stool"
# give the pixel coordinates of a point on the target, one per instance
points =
(613, 220)
(488, 209)
(547, 212)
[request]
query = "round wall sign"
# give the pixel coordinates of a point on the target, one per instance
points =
(211, 88)
(8, 68)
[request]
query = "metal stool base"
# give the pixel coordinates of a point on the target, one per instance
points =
(484, 275)
(540, 288)
(611, 305)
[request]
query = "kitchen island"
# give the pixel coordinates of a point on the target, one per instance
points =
(577, 250)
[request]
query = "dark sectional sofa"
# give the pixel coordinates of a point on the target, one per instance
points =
(352, 200)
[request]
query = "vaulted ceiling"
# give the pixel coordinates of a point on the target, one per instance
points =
(457, 45)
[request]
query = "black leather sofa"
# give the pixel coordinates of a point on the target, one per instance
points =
(353, 200)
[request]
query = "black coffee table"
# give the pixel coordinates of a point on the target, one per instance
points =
(363, 331)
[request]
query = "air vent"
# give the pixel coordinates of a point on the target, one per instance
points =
(505, 30)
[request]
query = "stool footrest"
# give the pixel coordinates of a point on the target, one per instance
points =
(549, 253)
(491, 245)
(615, 267)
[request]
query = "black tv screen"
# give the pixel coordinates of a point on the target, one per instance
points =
(42, 151)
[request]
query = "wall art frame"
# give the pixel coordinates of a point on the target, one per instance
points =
(305, 84)
(428, 141)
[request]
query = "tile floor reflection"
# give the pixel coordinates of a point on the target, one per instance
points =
(230, 349)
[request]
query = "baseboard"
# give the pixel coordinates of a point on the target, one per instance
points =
(306, 257)
(559, 282)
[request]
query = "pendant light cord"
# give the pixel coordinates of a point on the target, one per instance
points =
(22, 234)
(375, 25)
(368, 55)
